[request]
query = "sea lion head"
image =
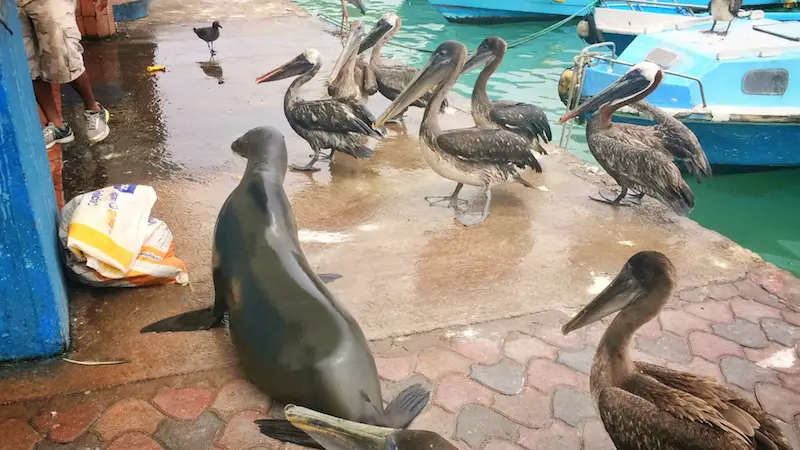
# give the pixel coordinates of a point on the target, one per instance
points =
(263, 147)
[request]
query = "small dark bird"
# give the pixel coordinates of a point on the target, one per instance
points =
(209, 34)
(723, 10)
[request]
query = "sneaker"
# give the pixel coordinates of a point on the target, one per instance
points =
(54, 135)
(97, 124)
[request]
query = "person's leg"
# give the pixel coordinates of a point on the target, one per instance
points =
(62, 61)
(55, 131)
(83, 87)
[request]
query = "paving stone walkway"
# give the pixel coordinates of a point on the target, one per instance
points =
(503, 385)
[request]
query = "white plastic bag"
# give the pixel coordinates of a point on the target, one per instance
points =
(111, 240)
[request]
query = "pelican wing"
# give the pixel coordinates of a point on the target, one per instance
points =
(518, 116)
(671, 135)
(332, 115)
(488, 146)
(644, 168)
(636, 422)
(739, 411)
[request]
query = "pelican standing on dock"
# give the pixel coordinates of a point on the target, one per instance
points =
(475, 156)
(525, 119)
(349, 79)
(725, 11)
(392, 79)
(644, 406)
(339, 125)
(346, 16)
(641, 157)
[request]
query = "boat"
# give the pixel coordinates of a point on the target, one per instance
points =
(739, 94)
(619, 21)
(492, 11)
(508, 11)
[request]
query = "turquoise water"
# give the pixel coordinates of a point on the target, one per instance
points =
(757, 210)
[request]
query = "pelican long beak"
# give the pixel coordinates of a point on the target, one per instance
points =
(381, 28)
(351, 44)
(334, 433)
(479, 58)
(617, 295)
(627, 86)
(430, 76)
(292, 68)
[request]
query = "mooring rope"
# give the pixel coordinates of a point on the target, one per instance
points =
(512, 44)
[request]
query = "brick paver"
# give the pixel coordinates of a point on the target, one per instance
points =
(522, 386)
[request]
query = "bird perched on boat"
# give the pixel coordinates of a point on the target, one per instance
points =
(392, 79)
(527, 120)
(645, 406)
(209, 34)
(341, 125)
(333, 433)
(475, 156)
(725, 11)
(346, 16)
(349, 79)
(640, 157)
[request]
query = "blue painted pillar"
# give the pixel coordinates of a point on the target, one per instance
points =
(33, 299)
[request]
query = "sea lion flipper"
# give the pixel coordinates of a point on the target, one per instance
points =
(284, 431)
(328, 277)
(201, 319)
(406, 406)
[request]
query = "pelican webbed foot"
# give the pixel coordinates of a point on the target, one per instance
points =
(618, 201)
(308, 167)
(452, 199)
(475, 216)
(636, 198)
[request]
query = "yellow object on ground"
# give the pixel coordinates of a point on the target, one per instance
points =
(156, 68)
(111, 240)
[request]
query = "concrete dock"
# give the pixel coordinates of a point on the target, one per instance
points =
(474, 313)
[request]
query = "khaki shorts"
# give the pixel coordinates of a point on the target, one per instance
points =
(52, 39)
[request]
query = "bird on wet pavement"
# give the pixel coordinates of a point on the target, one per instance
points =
(476, 156)
(525, 119)
(346, 16)
(642, 157)
(209, 34)
(645, 406)
(342, 125)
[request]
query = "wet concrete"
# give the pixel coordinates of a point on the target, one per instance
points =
(407, 267)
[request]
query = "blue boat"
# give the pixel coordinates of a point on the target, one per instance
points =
(619, 21)
(493, 11)
(739, 94)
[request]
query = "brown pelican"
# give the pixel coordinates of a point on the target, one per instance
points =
(640, 157)
(645, 406)
(524, 119)
(725, 11)
(351, 77)
(340, 125)
(475, 156)
(346, 16)
(332, 433)
(392, 79)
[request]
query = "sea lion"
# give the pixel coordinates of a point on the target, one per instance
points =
(333, 433)
(294, 339)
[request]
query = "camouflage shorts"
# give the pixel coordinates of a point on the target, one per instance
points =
(52, 39)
